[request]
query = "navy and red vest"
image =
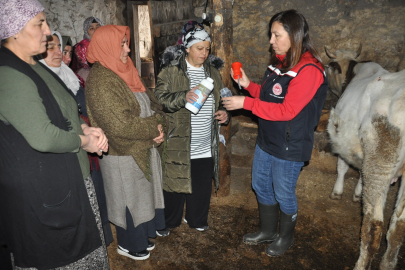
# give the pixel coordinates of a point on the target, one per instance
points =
(290, 140)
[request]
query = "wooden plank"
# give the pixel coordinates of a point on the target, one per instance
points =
(135, 54)
(221, 46)
(163, 11)
(130, 23)
(171, 28)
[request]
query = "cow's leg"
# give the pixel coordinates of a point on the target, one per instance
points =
(374, 196)
(380, 144)
(358, 190)
(337, 191)
(396, 232)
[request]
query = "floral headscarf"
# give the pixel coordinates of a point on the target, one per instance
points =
(14, 15)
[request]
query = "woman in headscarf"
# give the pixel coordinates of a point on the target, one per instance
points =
(79, 61)
(49, 214)
(53, 60)
(67, 56)
(193, 141)
(66, 50)
(119, 103)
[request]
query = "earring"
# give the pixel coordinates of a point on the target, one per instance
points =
(15, 37)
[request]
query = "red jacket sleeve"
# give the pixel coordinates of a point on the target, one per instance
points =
(254, 89)
(300, 92)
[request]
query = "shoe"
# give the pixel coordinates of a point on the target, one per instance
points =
(202, 229)
(163, 233)
(285, 238)
(139, 256)
(151, 245)
(268, 215)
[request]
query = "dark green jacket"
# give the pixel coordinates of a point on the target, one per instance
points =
(172, 87)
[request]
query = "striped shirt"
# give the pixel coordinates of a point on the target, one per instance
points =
(201, 123)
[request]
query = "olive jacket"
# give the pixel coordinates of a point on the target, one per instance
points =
(127, 133)
(172, 87)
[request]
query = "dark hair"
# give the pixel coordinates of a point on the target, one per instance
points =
(297, 28)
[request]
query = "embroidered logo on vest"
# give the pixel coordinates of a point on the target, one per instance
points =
(277, 89)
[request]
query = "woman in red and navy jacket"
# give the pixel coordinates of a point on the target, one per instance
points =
(288, 104)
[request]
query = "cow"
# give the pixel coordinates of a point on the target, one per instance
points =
(367, 130)
(340, 72)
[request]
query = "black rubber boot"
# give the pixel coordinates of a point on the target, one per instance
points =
(268, 226)
(286, 237)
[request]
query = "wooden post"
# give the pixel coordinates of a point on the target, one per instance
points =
(221, 46)
(133, 23)
(136, 54)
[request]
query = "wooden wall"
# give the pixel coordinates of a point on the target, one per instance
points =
(167, 20)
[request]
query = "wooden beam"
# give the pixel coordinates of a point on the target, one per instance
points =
(221, 46)
(135, 54)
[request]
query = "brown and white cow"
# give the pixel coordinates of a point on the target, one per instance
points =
(340, 73)
(367, 131)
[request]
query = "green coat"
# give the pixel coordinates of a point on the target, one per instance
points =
(172, 87)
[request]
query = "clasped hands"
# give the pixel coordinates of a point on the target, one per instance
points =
(161, 137)
(93, 140)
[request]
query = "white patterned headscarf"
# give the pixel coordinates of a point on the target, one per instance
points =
(194, 36)
(86, 25)
(14, 15)
(64, 72)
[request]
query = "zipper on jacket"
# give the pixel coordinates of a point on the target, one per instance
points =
(288, 135)
(170, 134)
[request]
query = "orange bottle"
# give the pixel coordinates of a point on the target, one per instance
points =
(237, 74)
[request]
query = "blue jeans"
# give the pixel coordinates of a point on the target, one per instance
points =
(274, 180)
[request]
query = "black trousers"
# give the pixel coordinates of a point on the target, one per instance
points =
(197, 203)
(135, 239)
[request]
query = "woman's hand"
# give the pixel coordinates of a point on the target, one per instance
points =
(90, 144)
(233, 103)
(244, 81)
(161, 137)
(102, 143)
(221, 116)
(192, 97)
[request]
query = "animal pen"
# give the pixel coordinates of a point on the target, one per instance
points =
(328, 231)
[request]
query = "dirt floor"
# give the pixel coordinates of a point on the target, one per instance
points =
(326, 236)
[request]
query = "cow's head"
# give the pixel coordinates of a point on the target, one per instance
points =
(340, 68)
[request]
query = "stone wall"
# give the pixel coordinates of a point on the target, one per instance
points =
(68, 16)
(377, 24)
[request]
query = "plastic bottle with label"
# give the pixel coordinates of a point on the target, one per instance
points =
(204, 89)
